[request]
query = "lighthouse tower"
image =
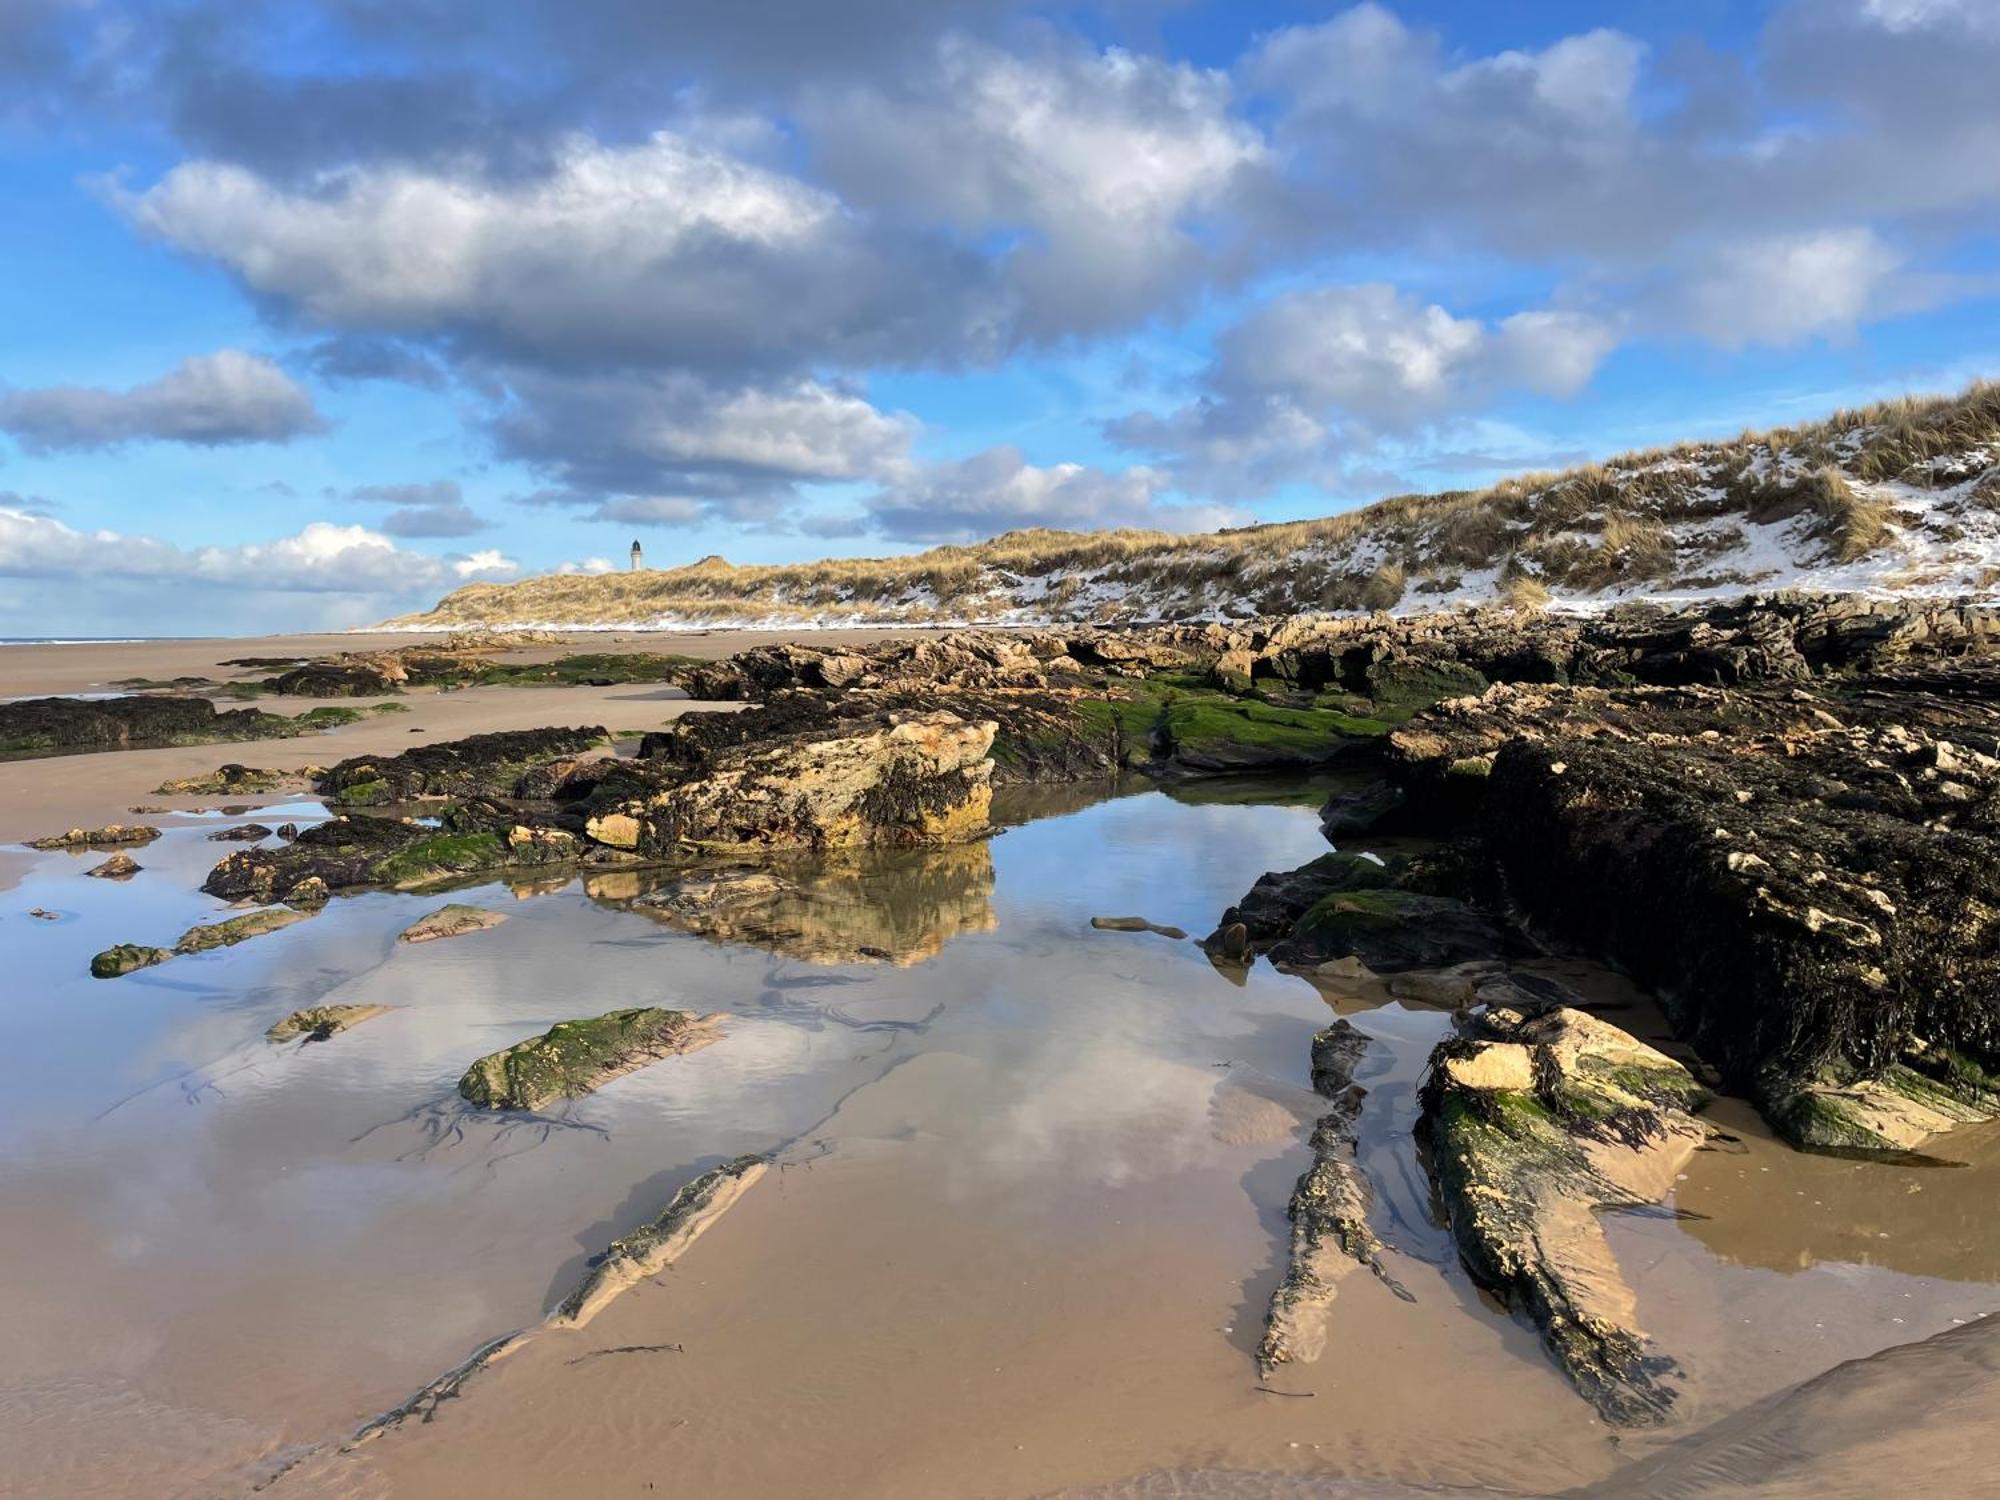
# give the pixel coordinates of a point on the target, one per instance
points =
(638, 556)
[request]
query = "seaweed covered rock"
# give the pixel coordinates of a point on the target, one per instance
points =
(233, 930)
(480, 765)
(1347, 905)
(571, 1059)
(125, 958)
(111, 836)
(45, 726)
(1537, 1120)
(316, 1023)
(882, 781)
(226, 781)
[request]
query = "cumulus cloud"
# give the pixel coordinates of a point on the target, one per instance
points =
(1311, 380)
(433, 509)
(320, 558)
(208, 400)
(1783, 289)
(1110, 162)
(741, 449)
(998, 490)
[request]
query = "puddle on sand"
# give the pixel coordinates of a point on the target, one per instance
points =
(1031, 1209)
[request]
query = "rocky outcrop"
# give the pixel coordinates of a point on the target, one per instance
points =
(227, 781)
(125, 958)
(454, 920)
(111, 836)
(847, 907)
(887, 781)
(576, 1057)
(316, 1023)
(481, 765)
(1537, 1120)
(1347, 905)
(1329, 1212)
(1808, 878)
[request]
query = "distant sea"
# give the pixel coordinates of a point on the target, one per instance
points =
(87, 640)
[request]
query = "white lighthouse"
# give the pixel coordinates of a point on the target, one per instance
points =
(638, 556)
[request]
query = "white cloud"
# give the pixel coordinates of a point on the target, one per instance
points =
(998, 490)
(209, 399)
(1783, 289)
(320, 558)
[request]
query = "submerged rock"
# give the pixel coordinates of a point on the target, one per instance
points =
(571, 1059)
(1537, 1121)
(1135, 924)
(1329, 1212)
(111, 836)
(118, 867)
(454, 920)
(125, 958)
(234, 930)
(318, 1022)
(651, 1248)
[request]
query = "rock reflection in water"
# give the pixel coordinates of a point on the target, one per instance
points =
(862, 906)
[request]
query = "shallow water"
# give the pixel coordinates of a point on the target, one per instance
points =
(1030, 1205)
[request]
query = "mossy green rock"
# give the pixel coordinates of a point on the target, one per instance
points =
(450, 921)
(575, 1057)
(125, 958)
(227, 934)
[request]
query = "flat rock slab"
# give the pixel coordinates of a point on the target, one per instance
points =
(576, 1057)
(318, 1022)
(454, 920)
(227, 934)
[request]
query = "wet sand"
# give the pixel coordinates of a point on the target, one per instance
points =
(1026, 1212)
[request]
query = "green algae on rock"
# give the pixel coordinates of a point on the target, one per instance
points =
(234, 930)
(1538, 1119)
(573, 1058)
(454, 920)
(318, 1022)
(126, 958)
(226, 779)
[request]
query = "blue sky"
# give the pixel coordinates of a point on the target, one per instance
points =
(309, 313)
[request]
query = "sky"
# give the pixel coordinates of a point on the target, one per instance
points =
(312, 310)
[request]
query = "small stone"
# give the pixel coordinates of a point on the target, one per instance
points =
(118, 867)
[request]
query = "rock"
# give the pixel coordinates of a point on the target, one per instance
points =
(454, 920)
(125, 958)
(890, 781)
(1329, 1212)
(1537, 1121)
(571, 1059)
(1389, 929)
(1363, 810)
(118, 867)
(45, 726)
(1450, 988)
(1135, 924)
(288, 830)
(1347, 970)
(1270, 909)
(318, 1022)
(108, 837)
(242, 833)
(652, 1247)
(43, 914)
(234, 930)
(346, 852)
(480, 765)
(226, 781)
(847, 907)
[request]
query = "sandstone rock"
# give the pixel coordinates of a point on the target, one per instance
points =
(1135, 924)
(454, 920)
(576, 1057)
(318, 1022)
(108, 837)
(118, 867)
(1537, 1121)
